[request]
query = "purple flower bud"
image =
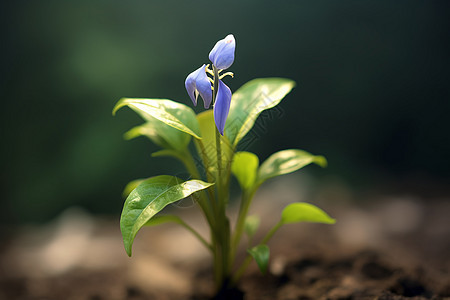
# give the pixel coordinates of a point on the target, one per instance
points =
(222, 55)
(222, 106)
(198, 83)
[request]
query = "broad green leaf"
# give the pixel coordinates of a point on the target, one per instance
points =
(261, 255)
(287, 161)
(157, 220)
(149, 198)
(251, 225)
(208, 133)
(161, 134)
(185, 157)
(168, 152)
(250, 100)
(171, 113)
(131, 186)
(304, 212)
(245, 167)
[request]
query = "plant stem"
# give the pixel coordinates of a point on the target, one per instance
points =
(219, 178)
(271, 233)
(209, 176)
(204, 204)
(222, 230)
(247, 196)
(193, 231)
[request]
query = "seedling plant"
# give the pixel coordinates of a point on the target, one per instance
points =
(216, 134)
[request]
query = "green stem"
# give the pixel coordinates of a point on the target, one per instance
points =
(222, 241)
(208, 174)
(204, 204)
(247, 197)
(196, 234)
(215, 228)
(228, 169)
(188, 162)
(217, 133)
(271, 233)
(219, 158)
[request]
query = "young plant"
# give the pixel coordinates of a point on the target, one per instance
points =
(216, 134)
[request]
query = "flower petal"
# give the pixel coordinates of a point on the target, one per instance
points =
(203, 86)
(198, 83)
(222, 106)
(190, 85)
(222, 55)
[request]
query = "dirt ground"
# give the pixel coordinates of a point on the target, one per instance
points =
(389, 245)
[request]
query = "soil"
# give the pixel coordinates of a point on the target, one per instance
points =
(387, 247)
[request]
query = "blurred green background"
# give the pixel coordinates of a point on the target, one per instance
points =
(372, 90)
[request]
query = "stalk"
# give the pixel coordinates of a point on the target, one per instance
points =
(247, 197)
(196, 234)
(222, 241)
(203, 202)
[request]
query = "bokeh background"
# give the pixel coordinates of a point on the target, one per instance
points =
(372, 91)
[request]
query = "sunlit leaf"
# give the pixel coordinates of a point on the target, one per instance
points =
(168, 152)
(208, 133)
(251, 225)
(161, 134)
(245, 167)
(287, 161)
(305, 212)
(171, 113)
(149, 198)
(261, 255)
(131, 186)
(157, 220)
(250, 100)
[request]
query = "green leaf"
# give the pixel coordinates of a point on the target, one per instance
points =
(250, 100)
(161, 134)
(131, 186)
(149, 198)
(261, 255)
(208, 133)
(171, 113)
(181, 156)
(157, 220)
(287, 161)
(168, 152)
(304, 212)
(245, 167)
(251, 225)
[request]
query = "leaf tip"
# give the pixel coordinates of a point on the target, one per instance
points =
(292, 83)
(128, 250)
(331, 221)
(128, 135)
(118, 105)
(261, 254)
(321, 161)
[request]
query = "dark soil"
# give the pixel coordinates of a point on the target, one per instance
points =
(386, 249)
(363, 275)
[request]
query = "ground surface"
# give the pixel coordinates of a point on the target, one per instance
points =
(390, 246)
